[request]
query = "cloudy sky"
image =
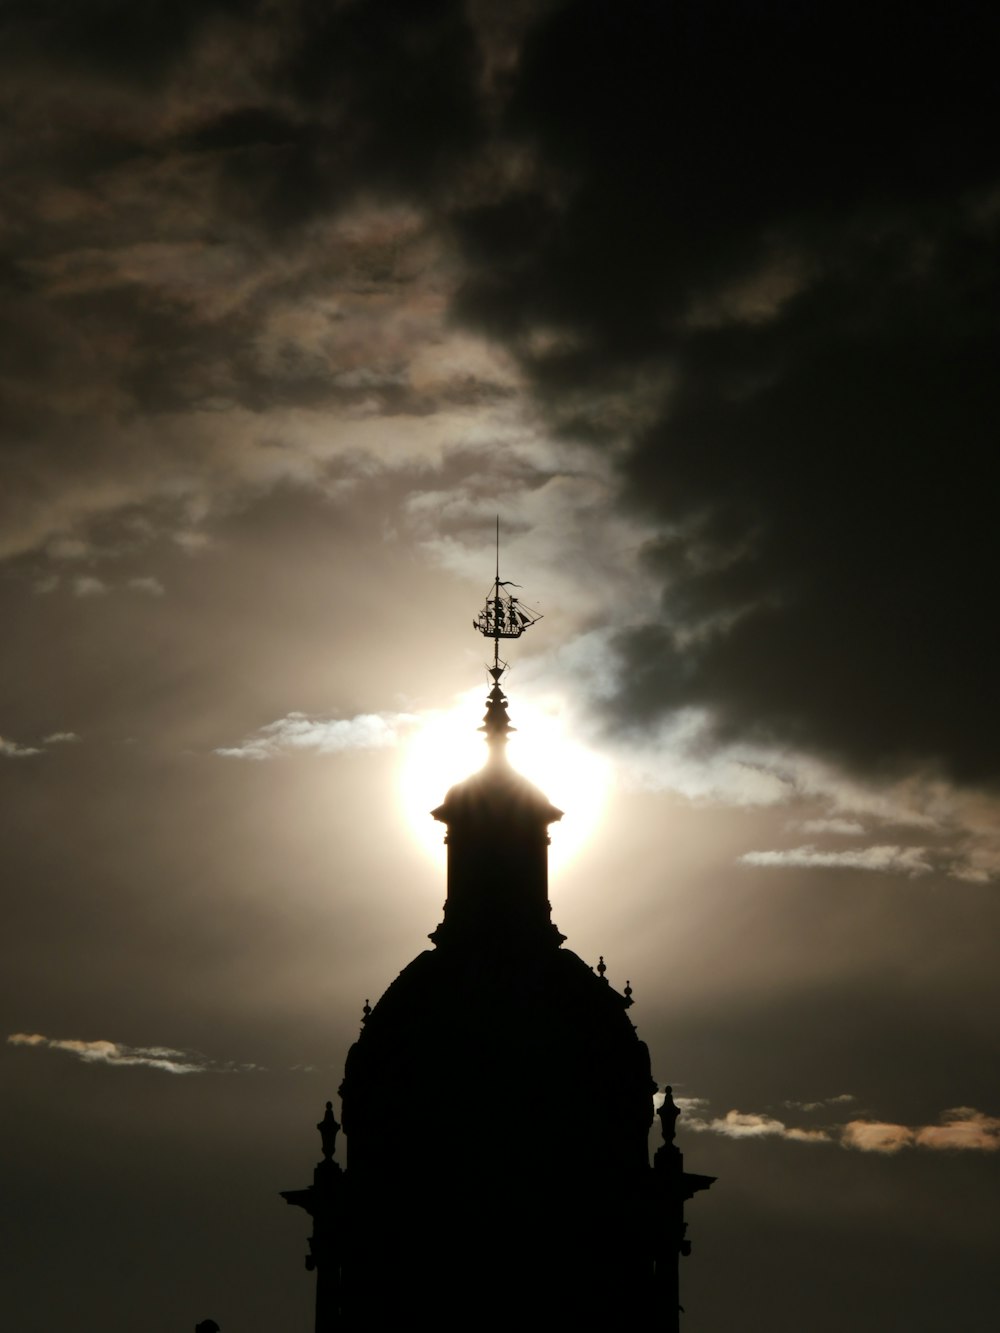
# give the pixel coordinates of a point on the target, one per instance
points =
(702, 299)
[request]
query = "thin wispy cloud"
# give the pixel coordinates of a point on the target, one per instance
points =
(88, 586)
(191, 541)
(298, 733)
(961, 1128)
(755, 1125)
(686, 1104)
(102, 1052)
(67, 548)
(150, 586)
(842, 1099)
(910, 861)
(13, 750)
(957, 826)
(846, 828)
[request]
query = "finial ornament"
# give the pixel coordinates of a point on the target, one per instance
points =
(328, 1131)
(628, 994)
(496, 723)
(668, 1113)
(365, 1012)
(602, 967)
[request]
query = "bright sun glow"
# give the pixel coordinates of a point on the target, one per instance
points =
(447, 748)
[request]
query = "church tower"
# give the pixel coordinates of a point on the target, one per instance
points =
(497, 1103)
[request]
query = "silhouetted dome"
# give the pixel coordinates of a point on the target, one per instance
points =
(496, 1106)
(457, 1027)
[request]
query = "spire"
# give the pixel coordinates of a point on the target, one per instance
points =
(497, 820)
(496, 723)
(502, 617)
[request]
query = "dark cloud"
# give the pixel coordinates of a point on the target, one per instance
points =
(754, 245)
(132, 41)
(787, 219)
(839, 511)
(401, 79)
(176, 246)
(362, 100)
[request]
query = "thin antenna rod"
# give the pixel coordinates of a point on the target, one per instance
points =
(496, 603)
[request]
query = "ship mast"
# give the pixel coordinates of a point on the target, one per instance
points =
(504, 616)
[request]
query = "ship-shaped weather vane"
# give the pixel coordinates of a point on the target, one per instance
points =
(504, 616)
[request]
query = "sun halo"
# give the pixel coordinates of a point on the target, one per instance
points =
(446, 748)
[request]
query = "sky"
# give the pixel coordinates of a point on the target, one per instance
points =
(701, 299)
